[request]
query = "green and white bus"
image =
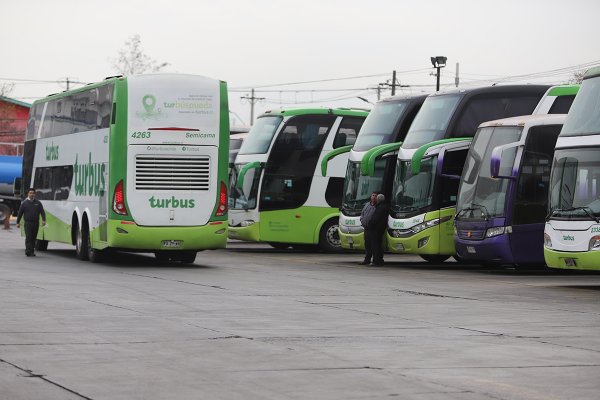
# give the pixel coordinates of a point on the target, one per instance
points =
(572, 230)
(278, 194)
(431, 159)
(378, 140)
(136, 164)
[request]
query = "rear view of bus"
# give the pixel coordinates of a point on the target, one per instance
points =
(136, 164)
(572, 231)
(431, 160)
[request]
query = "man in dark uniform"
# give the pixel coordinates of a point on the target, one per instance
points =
(376, 229)
(30, 211)
(365, 220)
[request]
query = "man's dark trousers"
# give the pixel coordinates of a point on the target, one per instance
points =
(31, 231)
(375, 238)
(368, 246)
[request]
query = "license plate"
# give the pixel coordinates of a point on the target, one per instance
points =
(399, 247)
(350, 240)
(471, 250)
(232, 233)
(172, 244)
(570, 262)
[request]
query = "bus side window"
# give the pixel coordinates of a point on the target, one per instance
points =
(533, 182)
(454, 161)
(347, 132)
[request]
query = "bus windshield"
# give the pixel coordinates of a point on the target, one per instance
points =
(584, 115)
(260, 136)
(379, 126)
(413, 192)
(480, 195)
(358, 187)
(245, 198)
(431, 122)
(575, 184)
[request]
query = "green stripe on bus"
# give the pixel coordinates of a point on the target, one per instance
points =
(418, 156)
(564, 90)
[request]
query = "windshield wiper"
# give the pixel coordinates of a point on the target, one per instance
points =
(474, 207)
(587, 210)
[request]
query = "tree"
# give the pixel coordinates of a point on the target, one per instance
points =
(132, 59)
(577, 77)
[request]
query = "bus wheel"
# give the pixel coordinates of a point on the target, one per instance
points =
(41, 245)
(329, 237)
(279, 246)
(434, 258)
(187, 257)
(81, 243)
(94, 255)
(4, 213)
(162, 257)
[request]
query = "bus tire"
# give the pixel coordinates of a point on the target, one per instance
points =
(279, 246)
(329, 237)
(94, 255)
(187, 257)
(4, 213)
(434, 258)
(41, 245)
(162, 257)
(81, 242)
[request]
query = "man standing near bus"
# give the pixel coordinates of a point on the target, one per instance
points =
(376, 229)
(365, 219)
(30, 210)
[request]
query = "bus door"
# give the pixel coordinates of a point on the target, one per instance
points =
(531, 197)
(450, 165)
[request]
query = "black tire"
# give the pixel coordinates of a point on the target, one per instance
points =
(329, 237)
(162, 257)
(279, 246)
(81, 243)
(4, 213)
(434, 258)
(94, 255)
(186, 257)
(41, 245)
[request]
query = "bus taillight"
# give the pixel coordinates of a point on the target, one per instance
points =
(119, 199)
(222, 208)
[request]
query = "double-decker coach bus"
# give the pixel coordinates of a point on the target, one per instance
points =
(278, 194)
(136, 163)
(431, 159)
(572, 231)
(379, 138)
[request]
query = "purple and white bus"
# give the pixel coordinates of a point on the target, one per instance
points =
(503, 194)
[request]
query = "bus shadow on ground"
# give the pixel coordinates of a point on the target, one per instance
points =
(132, 260)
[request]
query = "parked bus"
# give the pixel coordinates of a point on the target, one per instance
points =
(557, 100)
(431, 159)
(136, 164)
(572, 231)
(278, 194)
(380, 137)
(503, 195)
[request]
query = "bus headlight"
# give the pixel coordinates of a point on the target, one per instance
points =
(396, 233)
(246, 223)
(422, 226)
(497, 231)
(594, 243)
(548, 241)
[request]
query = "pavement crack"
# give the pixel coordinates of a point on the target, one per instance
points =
(114, 306)
(175, 280)
(31, 374)
(433, 295)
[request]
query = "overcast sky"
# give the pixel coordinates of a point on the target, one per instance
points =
(252, 43)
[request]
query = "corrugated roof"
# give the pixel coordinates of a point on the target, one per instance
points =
(16, 102)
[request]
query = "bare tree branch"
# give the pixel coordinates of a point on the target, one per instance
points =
(132, 60)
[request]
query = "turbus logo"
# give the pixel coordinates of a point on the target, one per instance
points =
(89, 178)
(51, 152)
(569, 238)
(596, 229)
(172, 203)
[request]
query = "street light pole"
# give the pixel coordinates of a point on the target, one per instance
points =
(438, 63)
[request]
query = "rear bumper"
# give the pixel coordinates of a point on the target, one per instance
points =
(248, 233)
(589, 260)
(135, 237)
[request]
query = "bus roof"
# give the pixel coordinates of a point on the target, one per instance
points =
(500, 89)
(563, 90)
(592, 73)
(539, 119)
(403, 97)
(79, 89)
(354, 112)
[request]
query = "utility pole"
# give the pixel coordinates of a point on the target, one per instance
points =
(68, 83)
(393, 82)
(438, 63)
(456, 80)
(252, 100)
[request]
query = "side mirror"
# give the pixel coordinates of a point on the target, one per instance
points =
(502, 163)
(440, 170)
(17, 186)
